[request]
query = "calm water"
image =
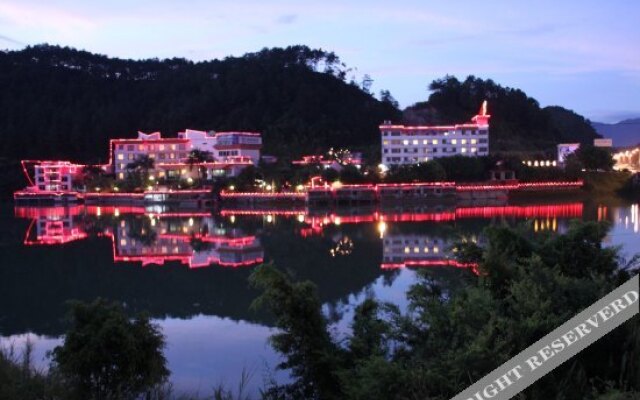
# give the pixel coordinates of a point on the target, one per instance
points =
(190, 269)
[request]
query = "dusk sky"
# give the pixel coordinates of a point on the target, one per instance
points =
(581, 54)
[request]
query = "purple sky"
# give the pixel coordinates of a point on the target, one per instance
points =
(581, 54)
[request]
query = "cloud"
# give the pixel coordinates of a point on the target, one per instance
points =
(287, 19)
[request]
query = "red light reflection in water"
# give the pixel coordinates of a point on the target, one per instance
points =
(59, 225)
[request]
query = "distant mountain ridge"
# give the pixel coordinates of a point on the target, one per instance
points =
(624, 133)
(62, 103)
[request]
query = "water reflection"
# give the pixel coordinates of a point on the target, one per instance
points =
(83, 252)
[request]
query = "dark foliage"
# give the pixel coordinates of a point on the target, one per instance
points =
(517, 120)
(453, 336)
(64, 103)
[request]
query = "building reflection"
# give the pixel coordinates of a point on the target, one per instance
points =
(192, 239)
(198, 239)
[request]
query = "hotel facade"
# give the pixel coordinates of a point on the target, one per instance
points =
(407, 145)
(231, 152)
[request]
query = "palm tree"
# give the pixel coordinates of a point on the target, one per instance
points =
(197, 156)
(141, 166)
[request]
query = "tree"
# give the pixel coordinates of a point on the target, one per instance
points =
(106, 355)
(197, 156)
(595, 158)
(304, 341)
(138, 170)
(454, 335)
(429, 171)
(386, 97)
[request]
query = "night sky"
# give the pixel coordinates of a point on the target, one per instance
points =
(581, 54)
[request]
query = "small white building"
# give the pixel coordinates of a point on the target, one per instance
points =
(564, 149)
(603, 142)
(405, 145)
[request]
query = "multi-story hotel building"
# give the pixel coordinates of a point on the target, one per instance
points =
(231, 152)
(403, 145)
(55, 176)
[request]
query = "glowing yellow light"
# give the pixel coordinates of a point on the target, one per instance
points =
(454, 141)
(407, 250)
(232, 188)
(116, 212)
(190, 221)
(232, 219)
(336, 185)
(436, 249)
(405, 142)
(416, 249)
(300, 217)
(464, 141)
(269, 218)
(152, 178)
(269, 187)
(98, 211)
(434, 141)
(189, 180)
(426, 250)
(382, 228)
(115, 189)
(337, 221)
(149, 187)
(300, 188)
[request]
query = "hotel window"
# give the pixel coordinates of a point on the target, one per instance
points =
(464, 141)
(405, 142)
(474, 141)
(121, 175)
(172, 155)
(483, 141)
(161, 156)
(444, 141)
(473, 149)
(130, 156)
(454, 141)
(434, 141)
(173, 147)
(152, 155)
(385, 142)
(123, 166)
(130, 147)
(140, 147)
(464, 150)
(415, 142)
(161, 147)
(181, 147)
(152, 147)
(120, 156)
(120, 147)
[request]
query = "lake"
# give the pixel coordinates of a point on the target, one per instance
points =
(189, 269)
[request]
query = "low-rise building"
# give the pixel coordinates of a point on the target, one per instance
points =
(564, 149)
(230, 152)
(405, 145)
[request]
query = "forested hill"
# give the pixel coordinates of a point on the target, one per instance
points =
(518, 123)
(62, 103)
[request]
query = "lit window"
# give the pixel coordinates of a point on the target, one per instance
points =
(416, 250)
(463, 150)
(415, 142)
(473, 141)
(473, 149)
(425, 141)
(454, 141)
(172, 155)
(161, 147)
(121, 175)
(436, 250)
(120, 156)
(141, 147)
(405, 142)
(406, 250)
(123, 242)
(464, 141)
(173, 147)
(385, 142)
(426, 249)
(434, 141)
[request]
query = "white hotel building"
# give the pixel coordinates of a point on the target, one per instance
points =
(403, 145)
(231, 151)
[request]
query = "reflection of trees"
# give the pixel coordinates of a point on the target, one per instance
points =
(139, 228)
